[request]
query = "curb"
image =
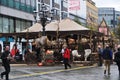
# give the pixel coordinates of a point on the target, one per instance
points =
(17, 65)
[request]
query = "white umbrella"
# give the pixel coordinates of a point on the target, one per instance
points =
(37, 27)
(65, 25)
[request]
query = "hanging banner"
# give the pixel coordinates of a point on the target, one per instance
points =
(103, 30)
(74, 5)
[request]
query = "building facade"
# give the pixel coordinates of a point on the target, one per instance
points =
(89, 12)
(111, 16)
(15, 15)
(91, 15)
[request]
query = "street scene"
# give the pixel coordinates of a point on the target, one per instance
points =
(23, 72)
(59, 40)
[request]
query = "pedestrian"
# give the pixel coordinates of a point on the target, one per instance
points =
(6, 63)
(100, 51)
(66, 56)
(117, 58)
(0, 49)
(107, 57)
(15, 52)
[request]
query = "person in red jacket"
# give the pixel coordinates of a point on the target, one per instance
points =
(14, 51)
(66, 57)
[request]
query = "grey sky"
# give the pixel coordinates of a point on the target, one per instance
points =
(108, 3)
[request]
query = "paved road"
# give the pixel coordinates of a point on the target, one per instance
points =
(58, 73)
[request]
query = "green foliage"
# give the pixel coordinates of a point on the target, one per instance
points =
(77, 20)
(91, 28)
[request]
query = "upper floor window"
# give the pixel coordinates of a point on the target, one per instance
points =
(65, 4)
(33, 3)
(57, 1)
(11, 3)
(17, 0)
(17, 4)
(22, 1)
(28, 2)
(5, 25)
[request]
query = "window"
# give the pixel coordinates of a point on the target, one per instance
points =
(22, 1)
(18, 24)
(17, 0)
(33, 3)
(23, 6)
(17, 4)
(57, 1)
(28, 2)
(11, 3)
(57, 13)
(23, 25)
(65, 4)
(28, 8)
(1, 21)
(5, 25)
(64, 15)
(11, 25)
(28, 24)
(4, 2)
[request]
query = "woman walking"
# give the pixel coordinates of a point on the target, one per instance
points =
(66, 56)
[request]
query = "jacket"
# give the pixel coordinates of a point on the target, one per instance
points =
(66, 53)
(107, 54)
(5, 59)
(117, 57)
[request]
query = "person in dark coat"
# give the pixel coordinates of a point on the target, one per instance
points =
(107, 57)
(6, 63)
(117, 59)
(100, 51)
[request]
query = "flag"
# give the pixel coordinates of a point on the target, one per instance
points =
(74, 5)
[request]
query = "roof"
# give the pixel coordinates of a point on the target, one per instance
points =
(103, 23)
(34, 28)
(65, 25)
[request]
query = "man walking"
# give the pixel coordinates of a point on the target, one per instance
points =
(107, 57)
(100, 51)
(6, 63)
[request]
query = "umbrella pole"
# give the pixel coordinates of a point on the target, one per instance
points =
(91, 39)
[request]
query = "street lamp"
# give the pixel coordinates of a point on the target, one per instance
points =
(44, 15)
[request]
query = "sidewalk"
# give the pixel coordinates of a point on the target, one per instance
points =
(77, 63)
(23, 70)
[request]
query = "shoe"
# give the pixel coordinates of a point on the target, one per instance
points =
(104, 71)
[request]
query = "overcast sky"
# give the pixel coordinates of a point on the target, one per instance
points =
(108, 3)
